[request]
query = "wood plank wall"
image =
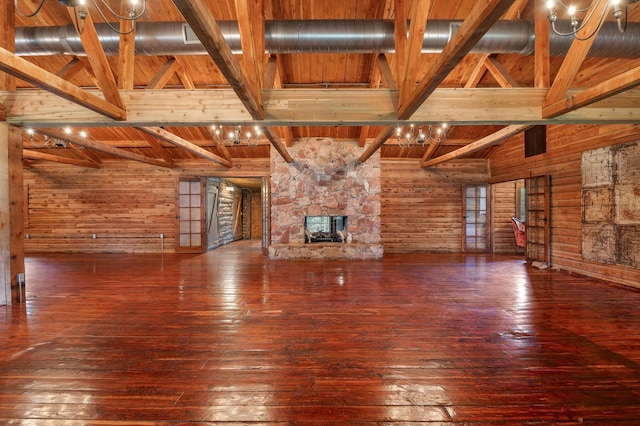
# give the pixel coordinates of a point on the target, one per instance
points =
(125, 203)
(421, 209)
(565, 144)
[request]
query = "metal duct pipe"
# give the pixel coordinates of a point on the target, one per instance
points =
(322, 36)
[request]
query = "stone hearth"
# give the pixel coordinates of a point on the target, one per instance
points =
(325, 179)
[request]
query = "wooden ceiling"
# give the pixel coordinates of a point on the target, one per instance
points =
(161, 107)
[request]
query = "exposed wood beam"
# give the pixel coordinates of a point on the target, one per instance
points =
(156, 146)
(73, 67)
(277, 144)
(419, 14)
(480, 19)
(302, 107)
(364, 135)
(251, 29)
(287, 135)
(431, 149)
(92, 144)
(375, 76)
(575, 56)
(542, 62)
(222, 149)
(89, 155)
(498, 72)
(514, 12)
(273, 79)
(613, 86)
(126, 51)
(183, 75)
(38, 155)
(7, 41)
(376, 144)
(270, 76)
(163, 75)
(486, 142)
(173, 139)
(32, 74)
(478, 72)
(385, 71)
(198, 16)
(98, 59)
(400, 34)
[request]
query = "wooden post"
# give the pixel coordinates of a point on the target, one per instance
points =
(11, 215)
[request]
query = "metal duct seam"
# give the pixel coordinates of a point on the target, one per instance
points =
(322, 36)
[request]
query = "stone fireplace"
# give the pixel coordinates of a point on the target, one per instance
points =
(325, 182)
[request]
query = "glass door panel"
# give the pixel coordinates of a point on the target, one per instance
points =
(476, 218)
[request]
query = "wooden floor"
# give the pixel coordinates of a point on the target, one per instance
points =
(231, 336)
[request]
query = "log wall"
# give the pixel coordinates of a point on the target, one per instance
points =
(565, 145)
(126, 204)
(421, 209)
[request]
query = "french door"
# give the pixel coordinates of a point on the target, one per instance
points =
(191, 217)
(537, 218)
(476, 218)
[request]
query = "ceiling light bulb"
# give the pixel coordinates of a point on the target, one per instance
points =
(550, 4)
(571, 10)
(67, 130)
(83, 134)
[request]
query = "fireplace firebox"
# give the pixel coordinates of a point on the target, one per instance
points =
(325, 229)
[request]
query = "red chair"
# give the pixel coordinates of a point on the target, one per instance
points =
(519, 232)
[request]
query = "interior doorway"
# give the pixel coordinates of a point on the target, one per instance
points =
(216, 211)
(508, 202)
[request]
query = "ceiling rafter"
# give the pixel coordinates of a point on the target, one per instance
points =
(126, 52)
(400, 35)
(273, 79)
(542, 56)
(156, 147)
(514, 12)
(486, 142)
(176, 140)
(7, 41)
(376, 69)
(98, 59)
(480, 19)
(575, 57)
(38, 155)
(73, 67)
(419, 14)
(197, 14)
(164, 74)
(199, 18)
(32, 74)
(183, 76)
(603, 90)
(92, 144)
(251, 28)
(497, 70)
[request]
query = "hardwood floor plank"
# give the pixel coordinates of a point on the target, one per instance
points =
(233, 337)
